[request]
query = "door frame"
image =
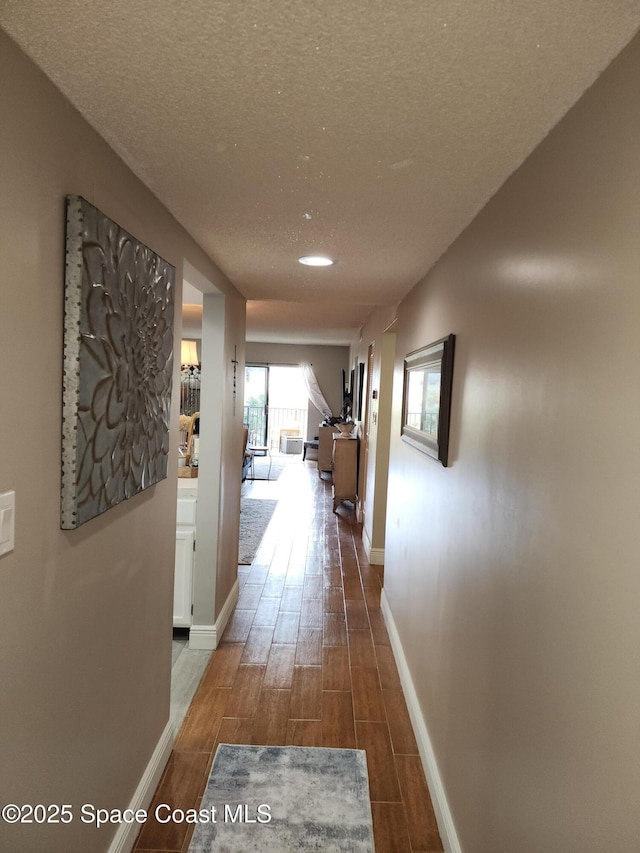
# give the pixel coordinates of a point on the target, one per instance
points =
(264, 367)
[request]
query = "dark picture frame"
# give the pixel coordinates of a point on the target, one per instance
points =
(426, 399)
(359, 390)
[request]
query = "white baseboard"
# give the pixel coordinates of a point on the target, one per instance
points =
(208, 636)
(366, 541)
(374, 555)
(203, 637)
(125, 837)
(436, 789)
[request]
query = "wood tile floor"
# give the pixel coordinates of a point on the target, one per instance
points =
(305, 660)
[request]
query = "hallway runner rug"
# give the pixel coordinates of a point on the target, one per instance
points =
(255, 515)
(271, 799)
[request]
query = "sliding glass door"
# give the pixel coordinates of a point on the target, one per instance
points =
(256, 402)
(275, 404)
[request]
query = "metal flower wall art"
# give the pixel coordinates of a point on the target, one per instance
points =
(118, 365)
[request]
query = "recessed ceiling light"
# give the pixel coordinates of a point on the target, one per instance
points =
(316, 261)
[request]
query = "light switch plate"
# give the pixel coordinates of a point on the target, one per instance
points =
(7, 522)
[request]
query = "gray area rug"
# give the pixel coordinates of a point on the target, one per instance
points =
(255, 515)
(262, 470)
(279, 463)
(275, 799)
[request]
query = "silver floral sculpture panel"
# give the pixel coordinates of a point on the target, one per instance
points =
(118, 365)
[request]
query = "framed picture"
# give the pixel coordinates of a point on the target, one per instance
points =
(359, 390)
(426, 403)
(118, 365)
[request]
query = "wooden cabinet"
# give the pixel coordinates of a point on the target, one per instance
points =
(325, 449)
(345, 469)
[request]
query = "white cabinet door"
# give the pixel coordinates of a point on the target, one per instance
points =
(183, 578)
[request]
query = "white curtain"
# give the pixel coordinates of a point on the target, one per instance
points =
(313, 390)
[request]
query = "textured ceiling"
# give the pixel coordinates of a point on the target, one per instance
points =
(370, 130)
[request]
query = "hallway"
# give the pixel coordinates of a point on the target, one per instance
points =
(305, 660)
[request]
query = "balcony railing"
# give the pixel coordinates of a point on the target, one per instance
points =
(424, 421)
(255, 417)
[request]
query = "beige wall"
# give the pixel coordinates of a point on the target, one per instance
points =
(513, 576)
(86, 614)
(327, 362)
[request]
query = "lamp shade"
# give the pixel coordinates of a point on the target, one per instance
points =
(188, 353)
